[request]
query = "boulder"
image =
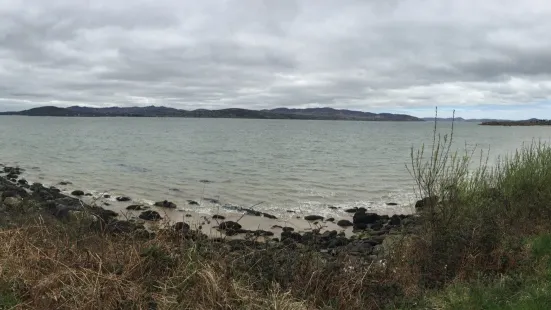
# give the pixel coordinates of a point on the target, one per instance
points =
(229, 225)
(150, 215)
(313, 218)
(12, 202)
(123, 198)
(291, 236)
(22, 182)
(365, 218)
(218, 217)
(395, 220)
(166, 204)
(192, 202)
(77, 193)
(287, 228)
(123, 227)
(273, 217)
(425, 202)
(135, 207)
(181, 226)
(344, 223)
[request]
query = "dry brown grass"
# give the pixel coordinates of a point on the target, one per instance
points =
(46, 264)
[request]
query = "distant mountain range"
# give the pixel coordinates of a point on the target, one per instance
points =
(153, 111)
(460, 119)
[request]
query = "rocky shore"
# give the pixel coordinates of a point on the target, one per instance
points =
(362, 233)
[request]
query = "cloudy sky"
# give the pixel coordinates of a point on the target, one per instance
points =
(489, 58)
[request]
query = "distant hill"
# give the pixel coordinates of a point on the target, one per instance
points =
(153, 111)
(460, 119)
(528, 122)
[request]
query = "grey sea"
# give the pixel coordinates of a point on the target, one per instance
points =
(296, 165)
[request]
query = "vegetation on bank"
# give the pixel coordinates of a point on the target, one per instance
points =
(483, 242)
(528, 122)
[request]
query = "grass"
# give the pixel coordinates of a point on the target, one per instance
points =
(483, 241)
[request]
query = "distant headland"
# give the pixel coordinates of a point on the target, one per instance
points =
(154, 111)
(528, 122)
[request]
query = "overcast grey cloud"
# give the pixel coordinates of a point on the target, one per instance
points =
(371, 55)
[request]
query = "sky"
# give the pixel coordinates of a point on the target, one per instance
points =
(485, 59)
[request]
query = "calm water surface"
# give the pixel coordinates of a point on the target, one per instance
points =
(286, 164)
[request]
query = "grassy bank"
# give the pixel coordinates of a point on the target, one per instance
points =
(483, 241)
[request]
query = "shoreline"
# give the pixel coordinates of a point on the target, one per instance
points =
(358, 226)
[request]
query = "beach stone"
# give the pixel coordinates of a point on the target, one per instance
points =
(181, 226)
(64, 183)
(77, 193)
(360, 226)
(344, 223)
(88, 194)
(106, 196)
(212, 200)
(166, 204)
(425, 202)
(351, 210)
(218, 217)
(361, 217)
(229, 225)
(332, 207)
(150, 215)
(54, 189)
(135, 207)
(391, 204)
(291, 236)
(22, 182)
(273, 217)
(331, 219)
(123, 198)
(395, 220)
(288, 229)
(192, 202)
(12, 202)
(313, 218)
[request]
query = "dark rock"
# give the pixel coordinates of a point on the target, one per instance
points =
(135, 207)
(291, 236)
(351, 210)
(344, 223)
(150, 215)
(36, 187)
(288, 229)
(313, 218)
(174, 190)
(77, 193)
(331, 219)
(391, 204)
(329, 234)
(12, 176)
(273, 217)
(88, 194)
(193, 202)
(365, 218)
(360, 226)
(123, 198)
(19, 192)
(360, 247)
(229, 225)
(106, 196)
(22, 181)
(205, 181)
(291, 211)
(106, 204)
(64, 183)
(276, 226)
(212, 200)
(332, 207)
(55, 190)
(165, 204)
(376, 226)
(124, 227)
(395, 220)
(337, 242)
(308, 237)
(218, 217)
(426, 202)
(263, 233)
(188, 215)
(181, 226)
